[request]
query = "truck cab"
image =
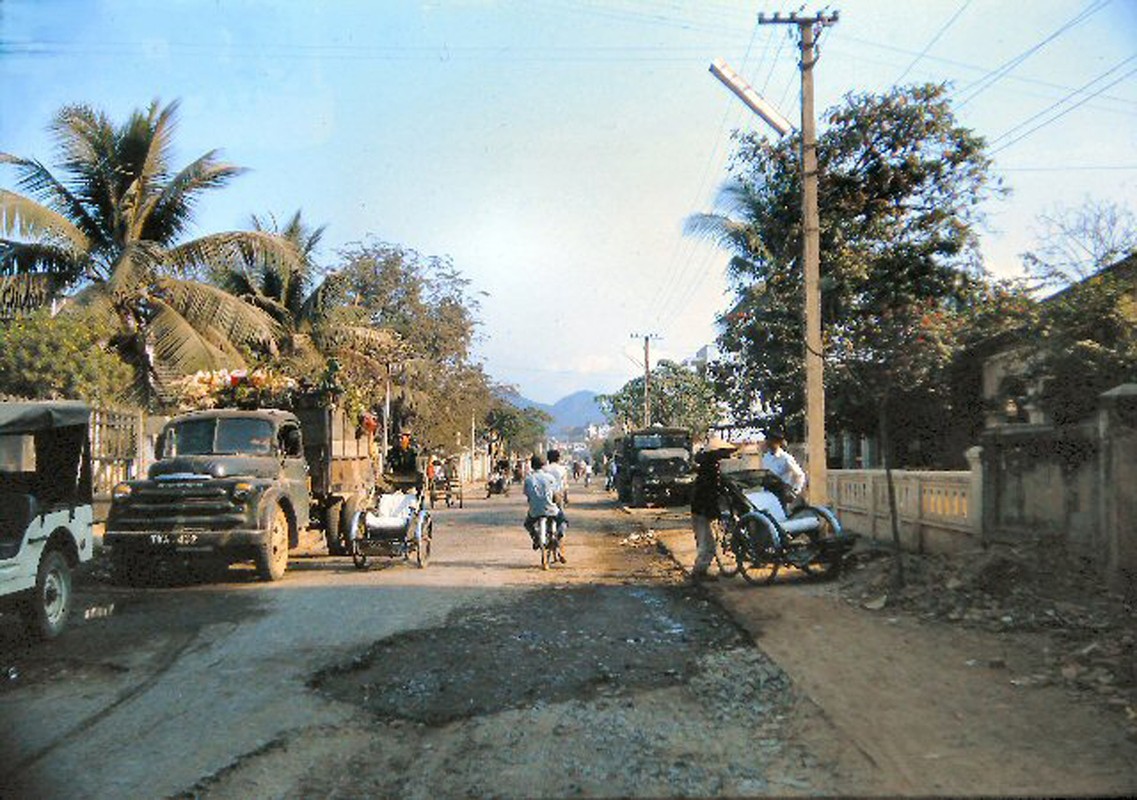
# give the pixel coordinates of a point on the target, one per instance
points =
(228, 485)
(45, 508)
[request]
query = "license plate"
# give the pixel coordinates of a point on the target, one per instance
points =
(173, 538)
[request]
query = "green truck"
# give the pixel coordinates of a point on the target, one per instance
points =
(654, 466)
(234, 485)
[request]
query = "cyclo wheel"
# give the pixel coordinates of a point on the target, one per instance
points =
(725, 556)
(815, 566)
(422, 548)
(355, 533)
(756, 551)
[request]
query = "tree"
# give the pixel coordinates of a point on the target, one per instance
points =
(428, 303)
(899, 194)
(112, 226)
(680, 398)
(1075, 242)
(314, 322)
(1086, 343)
(518, 430)
(62, 357)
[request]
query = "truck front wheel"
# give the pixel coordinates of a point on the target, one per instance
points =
(272, 560)
(49, 606)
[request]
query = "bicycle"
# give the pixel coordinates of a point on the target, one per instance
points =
(549, 541)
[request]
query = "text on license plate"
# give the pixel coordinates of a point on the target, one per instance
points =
(173, 538)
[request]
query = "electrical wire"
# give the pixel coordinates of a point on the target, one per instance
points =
(943, 29)
(1000, 72)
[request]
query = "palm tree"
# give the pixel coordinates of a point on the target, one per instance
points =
(307, 304)
(112, 227)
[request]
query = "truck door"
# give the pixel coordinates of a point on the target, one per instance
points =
(294, 472)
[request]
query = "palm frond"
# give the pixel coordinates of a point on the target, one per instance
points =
(168, 213)
(209, 308)
(37, 180)
(231, 250)
(23, 217)
(24, 258)
(180, 348)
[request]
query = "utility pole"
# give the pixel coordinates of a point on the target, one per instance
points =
(810, 255)
(647, 337)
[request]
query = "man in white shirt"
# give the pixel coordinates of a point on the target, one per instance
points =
(539, 491)
(560, 474)
(777, 460)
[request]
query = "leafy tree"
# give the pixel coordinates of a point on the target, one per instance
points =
(680, 398)
(899, 194)
(1086, 343)
(518, 430)
(62, 357)
(427, 302)
(113, 226)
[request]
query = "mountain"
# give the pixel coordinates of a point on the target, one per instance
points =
(575, 411)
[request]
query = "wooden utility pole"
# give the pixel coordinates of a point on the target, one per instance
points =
(810, 256)
(647, 337)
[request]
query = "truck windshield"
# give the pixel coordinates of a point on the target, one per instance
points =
(219, 436)
(651, 441)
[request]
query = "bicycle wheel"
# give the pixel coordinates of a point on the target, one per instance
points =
(724, 548)
(755, 546)
(812, 560)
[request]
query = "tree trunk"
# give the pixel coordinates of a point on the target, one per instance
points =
(894, 519)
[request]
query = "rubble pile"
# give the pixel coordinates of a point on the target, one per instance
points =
(1091, 633)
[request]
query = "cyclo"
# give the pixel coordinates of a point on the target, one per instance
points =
(757, 536)
(397, 525)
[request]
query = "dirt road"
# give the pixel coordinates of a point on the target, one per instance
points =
(481, 675)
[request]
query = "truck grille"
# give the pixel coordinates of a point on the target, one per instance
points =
(169, 507)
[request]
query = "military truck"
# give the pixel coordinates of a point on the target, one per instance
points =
(655, 466)
(232, 485)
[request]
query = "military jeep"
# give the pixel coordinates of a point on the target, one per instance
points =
(655, 466)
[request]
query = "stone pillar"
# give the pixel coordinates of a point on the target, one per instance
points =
(1117, 474)
(848, 451)
(974, 456)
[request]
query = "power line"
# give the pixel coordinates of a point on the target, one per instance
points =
(1066, 111)
(1000, 72)
(936, 38)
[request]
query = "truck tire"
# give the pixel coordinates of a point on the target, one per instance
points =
(47, 609)
(334, 527)
(348, 509)
(272, 558)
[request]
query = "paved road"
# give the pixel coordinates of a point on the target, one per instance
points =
(208, 690)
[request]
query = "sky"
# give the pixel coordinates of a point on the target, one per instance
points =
(553, 148)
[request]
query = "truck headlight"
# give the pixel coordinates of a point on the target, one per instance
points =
(241, 490)
(121, 491)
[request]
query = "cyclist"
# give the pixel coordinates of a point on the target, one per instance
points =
(539, 488)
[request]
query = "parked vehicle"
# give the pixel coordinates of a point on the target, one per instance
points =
(655, 466)
(232, 485)
(45, 508)
(757, 536)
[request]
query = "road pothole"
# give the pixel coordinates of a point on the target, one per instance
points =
(544, 647)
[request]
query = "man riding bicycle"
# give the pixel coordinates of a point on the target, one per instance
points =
(539, 488)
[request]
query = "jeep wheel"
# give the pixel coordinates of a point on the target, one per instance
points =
(272, 560)
(49, 606)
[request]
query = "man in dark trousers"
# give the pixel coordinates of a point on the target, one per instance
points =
(704, 504)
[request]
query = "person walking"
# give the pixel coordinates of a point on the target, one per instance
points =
(705, 504)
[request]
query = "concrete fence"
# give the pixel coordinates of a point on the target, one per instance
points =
(936, 510)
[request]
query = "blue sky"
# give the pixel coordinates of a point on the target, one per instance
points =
(553, 148)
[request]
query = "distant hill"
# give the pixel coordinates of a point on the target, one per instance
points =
(575, 411)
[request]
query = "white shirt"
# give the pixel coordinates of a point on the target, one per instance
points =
(785, 466)
(560, 475)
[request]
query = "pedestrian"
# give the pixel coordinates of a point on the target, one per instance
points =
(778, 460)
(705, 504)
